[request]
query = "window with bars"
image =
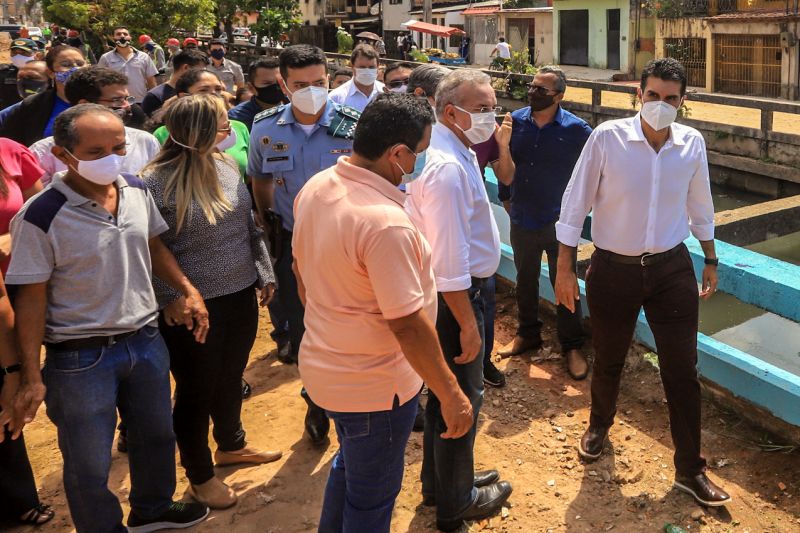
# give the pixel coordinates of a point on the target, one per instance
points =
(748, 65)
(692, 55)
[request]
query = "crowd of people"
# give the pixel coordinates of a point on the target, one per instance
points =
(144, 223)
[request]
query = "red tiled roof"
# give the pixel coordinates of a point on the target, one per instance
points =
(745, 16)
(481, 10)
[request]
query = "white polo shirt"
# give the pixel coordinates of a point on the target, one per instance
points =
(350, 95)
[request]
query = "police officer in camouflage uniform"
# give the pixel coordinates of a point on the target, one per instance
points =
(288, 145)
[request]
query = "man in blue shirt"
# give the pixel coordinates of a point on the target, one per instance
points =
(263, 80)
(546, 142)
(288, 145)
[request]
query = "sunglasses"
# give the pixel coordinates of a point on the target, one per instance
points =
(398, 83)
(538, 89)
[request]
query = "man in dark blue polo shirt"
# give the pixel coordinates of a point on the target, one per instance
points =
(263, 80)
(546, 142)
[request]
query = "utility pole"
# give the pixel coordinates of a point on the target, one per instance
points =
(427, 8)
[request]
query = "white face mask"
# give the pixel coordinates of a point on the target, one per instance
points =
(227, 142)
(103, 171)
(400, 89)
(483, 126)
(19, 60)
(659, 115)
(366, 76)
(309, 100)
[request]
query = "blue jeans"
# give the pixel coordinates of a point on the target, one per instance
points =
(489, 305)
(83, 388)
(367, 471)
(447, 464)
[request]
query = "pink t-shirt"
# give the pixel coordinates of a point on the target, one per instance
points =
(362, 262)
(20, 170)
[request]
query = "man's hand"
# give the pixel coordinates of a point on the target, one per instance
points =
(174, 314)
(196, 309)
(28, 399)
(7, 396)
(503, 132)
(457, 414)
(709, 282)
(5, 246)
(470, 344)
(267, 292)
(567, 291)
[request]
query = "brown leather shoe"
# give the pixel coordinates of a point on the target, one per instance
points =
(577, 365)
(518, 346)
(592, 442)
(245, 456)
(703, 490)
(213, 493)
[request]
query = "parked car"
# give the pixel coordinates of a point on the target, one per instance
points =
(265, 41)
(241, 34)
(33, 30)
(12, 29)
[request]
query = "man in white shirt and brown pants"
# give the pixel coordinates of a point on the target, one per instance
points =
(646, 181)
(449, 205)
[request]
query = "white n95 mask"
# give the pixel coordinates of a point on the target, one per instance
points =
(658, 114)
(310, 100)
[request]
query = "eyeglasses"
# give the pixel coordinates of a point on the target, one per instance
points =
(119, 101)
(397, 83)
(495, 110)
(225, 130)
(538, 89)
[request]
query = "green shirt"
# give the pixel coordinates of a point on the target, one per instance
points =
(238, 151)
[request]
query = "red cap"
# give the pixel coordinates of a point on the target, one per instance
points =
(73, 33)
(143, 39)
(190, 40)
(172, 41)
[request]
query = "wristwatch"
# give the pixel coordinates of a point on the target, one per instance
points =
(10, 369)
(709, 261)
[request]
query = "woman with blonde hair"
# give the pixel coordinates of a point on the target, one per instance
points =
(212, 234)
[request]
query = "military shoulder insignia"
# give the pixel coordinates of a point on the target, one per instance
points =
(269, 113)
(344, 123)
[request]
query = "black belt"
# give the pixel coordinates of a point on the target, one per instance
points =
(90, 342)
(642, 260)
(478, 282)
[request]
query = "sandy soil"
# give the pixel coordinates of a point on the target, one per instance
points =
(528, 430)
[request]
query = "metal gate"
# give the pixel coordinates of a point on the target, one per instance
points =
(692, 55)
(748, 64)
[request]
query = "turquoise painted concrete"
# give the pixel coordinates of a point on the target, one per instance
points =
(598, 27)
(751, 277)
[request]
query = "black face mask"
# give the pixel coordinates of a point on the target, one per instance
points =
(540, 101)
(271, 94)
(27, 87)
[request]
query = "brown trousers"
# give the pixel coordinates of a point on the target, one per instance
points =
(668, 292)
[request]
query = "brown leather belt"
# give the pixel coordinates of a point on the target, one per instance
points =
(90, 342)
(642, 260)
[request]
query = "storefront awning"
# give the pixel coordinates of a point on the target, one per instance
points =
(361, 22)
(481, 11)
(433, 29)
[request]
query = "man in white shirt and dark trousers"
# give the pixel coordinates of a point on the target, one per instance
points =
(364, 86)
(646, 181)
(449, 204)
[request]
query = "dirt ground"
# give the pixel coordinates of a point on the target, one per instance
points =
(528, 431)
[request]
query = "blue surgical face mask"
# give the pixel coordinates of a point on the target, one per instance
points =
(419, 164)
(62, 77)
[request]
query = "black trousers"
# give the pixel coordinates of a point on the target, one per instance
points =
(668, 292)
(208, 380)
(17, 486)
(529, 245)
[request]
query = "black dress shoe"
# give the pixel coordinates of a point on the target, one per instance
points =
(592, 442)
(285, 354)
(490, 499)
(122, 442)
(317, 425)
(481, 479)
(492, 376)
(703, 490)
(247, 390)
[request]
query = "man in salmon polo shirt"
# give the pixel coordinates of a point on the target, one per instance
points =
(364, 275)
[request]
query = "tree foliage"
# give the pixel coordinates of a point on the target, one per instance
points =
(275, 17)
(158, 18)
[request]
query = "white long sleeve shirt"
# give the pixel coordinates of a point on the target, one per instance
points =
(641, 201)
(449, 205)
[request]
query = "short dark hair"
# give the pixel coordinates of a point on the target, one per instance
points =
(65, 134)
(388, 120)
(363, 50)
(87, 83)
(190, 78)
(220, 42)
(189, 57)
(395, 66)
(502, 39)
(667, 69)
(300, 56)
(262, 62)
(51, 56)
(113, 31)
(344, 71)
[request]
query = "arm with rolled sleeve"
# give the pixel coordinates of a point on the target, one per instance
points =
(445, 200)
(581, 191)
(699, 203)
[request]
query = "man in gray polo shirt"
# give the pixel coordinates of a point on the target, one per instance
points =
(85, 250)
(136, 65)
(229, 72)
